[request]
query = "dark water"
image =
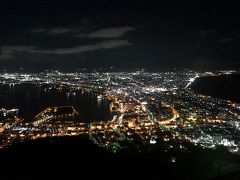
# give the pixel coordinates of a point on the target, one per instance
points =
(223, 87)
(31, 99)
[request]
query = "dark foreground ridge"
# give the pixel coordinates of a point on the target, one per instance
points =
(223, 87)
(78, 157)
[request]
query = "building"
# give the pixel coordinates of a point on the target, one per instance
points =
(8, 114)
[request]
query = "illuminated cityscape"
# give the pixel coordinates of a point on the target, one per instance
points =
(147, 109)
(119, 89)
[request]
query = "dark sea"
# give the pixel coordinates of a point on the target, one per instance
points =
(224, 87)
(31, 99)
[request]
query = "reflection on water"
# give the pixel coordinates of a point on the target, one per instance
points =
(31, 99)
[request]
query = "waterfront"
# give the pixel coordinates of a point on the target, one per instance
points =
(31, 99)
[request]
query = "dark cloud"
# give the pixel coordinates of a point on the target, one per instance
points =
(57, 30)
(114, 32)
(65, 29)
(110, 32)
(204, 33)
(225, 40)
(12, 51)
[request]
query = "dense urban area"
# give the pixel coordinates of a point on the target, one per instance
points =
(147, 109)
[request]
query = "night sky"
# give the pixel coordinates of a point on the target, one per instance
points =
(68, 35)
